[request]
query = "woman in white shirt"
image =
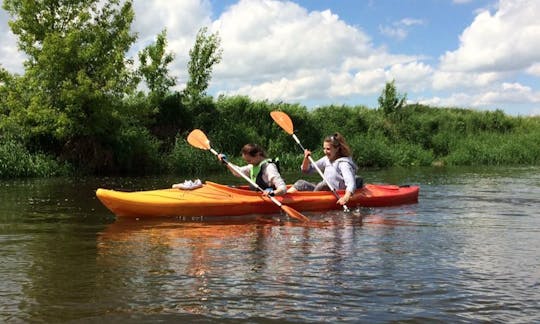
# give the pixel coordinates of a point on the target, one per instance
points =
(337, 166)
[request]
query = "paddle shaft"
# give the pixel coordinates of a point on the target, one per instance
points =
(198, 139)
(345, 208)
(285, 122)
(248, 179)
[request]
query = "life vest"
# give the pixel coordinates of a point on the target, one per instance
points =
(257, 171)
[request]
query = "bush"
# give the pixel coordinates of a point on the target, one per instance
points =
(137, 152)
(371, 151)
(17, 161)
(407, 154)
(496, 149)
(185, 159)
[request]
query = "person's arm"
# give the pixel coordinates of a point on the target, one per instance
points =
(350, 182)
(276, 180)
(231, 166)
(233, 171)
(345, 198)
(306, 165)
(244, 169)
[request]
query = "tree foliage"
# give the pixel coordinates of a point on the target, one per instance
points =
(154, 62)
(390, 101)
(76, 108)
(76, 74)
(203, 56)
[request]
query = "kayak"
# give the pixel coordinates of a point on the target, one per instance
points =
(213, 199)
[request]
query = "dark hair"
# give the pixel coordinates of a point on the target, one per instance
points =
(338, 141)
(253, 150)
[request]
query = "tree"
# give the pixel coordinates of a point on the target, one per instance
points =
(203, 56)
(154, 66)
(76, 74)
(12, 99)
(390, 101)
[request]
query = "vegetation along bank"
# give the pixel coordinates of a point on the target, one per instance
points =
(78, 109)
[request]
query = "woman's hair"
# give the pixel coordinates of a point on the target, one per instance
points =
(253, 150)
(338, 141)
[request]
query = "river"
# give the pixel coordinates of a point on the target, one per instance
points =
(468, 251)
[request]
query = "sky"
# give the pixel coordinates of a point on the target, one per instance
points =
(477, 54)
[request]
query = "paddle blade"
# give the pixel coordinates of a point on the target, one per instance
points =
(294, 213)
(198, 139)
(283, 120)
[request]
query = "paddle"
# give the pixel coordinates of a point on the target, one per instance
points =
(285, 122)
(198, 139)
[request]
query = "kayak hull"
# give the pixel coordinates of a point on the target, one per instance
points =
(214, 199)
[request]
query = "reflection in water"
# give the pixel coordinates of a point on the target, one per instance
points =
(217, 267)
(235, 261)
(402, 217)
(467, 252)
(180, 252)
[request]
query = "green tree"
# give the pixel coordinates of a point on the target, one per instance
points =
(154, 66)
(203, 56)
(168, 112)
(5, 80)
(76, 74)
(390, 101)
(13, 98)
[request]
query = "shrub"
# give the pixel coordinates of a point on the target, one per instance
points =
(185, 159)
(137, 152)
(17, 161)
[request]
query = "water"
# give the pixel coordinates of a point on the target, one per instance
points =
(467, 252)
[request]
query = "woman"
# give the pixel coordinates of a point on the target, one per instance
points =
(263, 171)
(337, 166)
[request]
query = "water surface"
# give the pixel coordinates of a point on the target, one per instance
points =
(467, 252)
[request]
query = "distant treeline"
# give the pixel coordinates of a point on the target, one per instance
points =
(79, 108)
(415, 135)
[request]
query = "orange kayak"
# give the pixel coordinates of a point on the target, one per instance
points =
(213, 199)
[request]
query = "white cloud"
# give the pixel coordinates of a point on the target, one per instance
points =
(301, 87)
(277, 38)
(508, 40)
(311, 84)
(378, 58)
(396, 32)
(283, 52)
(10, 57)
(400, 29)
(279, 50)
(508, 93)
(443, 80)
(366, 82)
(413, 76)
(411, 21)
(534, 69)
(503, 95)
(181, 18)
(495, 48)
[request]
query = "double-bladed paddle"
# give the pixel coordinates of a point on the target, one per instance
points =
(198, 139)
(285, 122)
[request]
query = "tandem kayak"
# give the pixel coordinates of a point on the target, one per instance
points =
(213, 199)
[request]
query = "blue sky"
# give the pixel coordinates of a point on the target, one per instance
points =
(479, 54)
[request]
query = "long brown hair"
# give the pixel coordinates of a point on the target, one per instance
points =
(338, 141)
